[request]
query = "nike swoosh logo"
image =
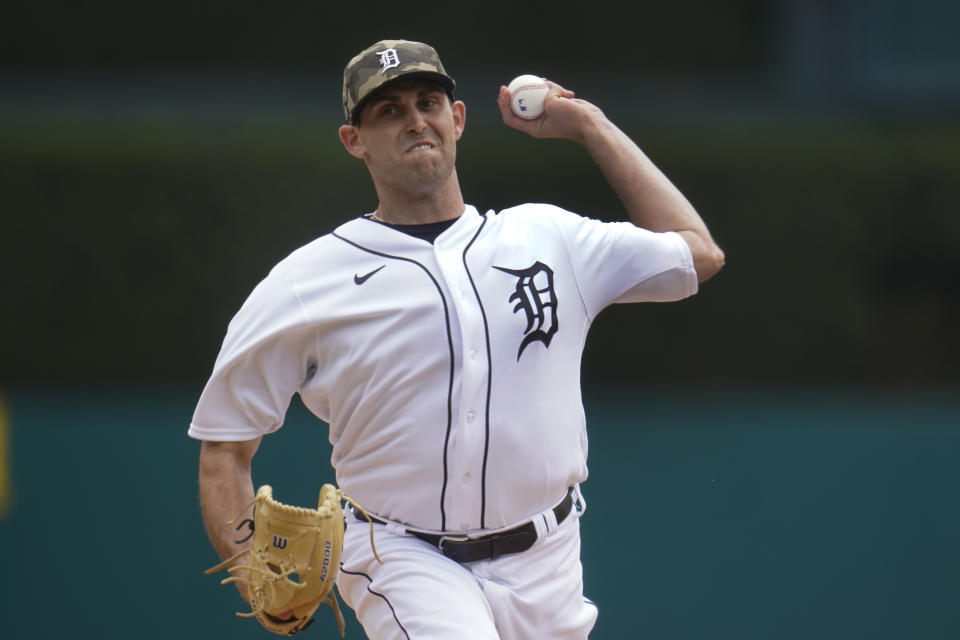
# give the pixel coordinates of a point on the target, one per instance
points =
(361, 279)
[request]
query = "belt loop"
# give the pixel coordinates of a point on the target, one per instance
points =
(545, 523)
(393, 527)
(579, 502)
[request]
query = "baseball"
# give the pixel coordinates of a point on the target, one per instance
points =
(527, 93)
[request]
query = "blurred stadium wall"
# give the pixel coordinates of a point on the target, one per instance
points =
(155, 166)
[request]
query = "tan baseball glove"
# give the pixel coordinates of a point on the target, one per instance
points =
(292, 562)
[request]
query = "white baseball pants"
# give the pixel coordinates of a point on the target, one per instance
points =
(419, 594)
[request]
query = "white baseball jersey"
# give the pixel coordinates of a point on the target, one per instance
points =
(449, 372)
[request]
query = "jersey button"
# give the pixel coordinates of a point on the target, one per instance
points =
(473, 354)
(470, 417)
(466, 478)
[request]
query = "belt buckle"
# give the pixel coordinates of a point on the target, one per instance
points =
(444, 539)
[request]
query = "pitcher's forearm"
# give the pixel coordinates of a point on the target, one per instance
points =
(651, 200)
(649, 197)
(226, 494)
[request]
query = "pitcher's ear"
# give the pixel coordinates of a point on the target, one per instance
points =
(459, 117)
(350, 137)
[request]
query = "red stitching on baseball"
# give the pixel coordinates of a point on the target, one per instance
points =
(527, 86)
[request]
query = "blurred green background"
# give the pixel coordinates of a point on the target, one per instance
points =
(776, 456)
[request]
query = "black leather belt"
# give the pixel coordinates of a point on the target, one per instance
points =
(490, 547)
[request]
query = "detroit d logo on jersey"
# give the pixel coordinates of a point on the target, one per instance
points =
(535, 297)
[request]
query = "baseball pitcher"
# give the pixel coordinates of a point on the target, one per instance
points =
(442, 344)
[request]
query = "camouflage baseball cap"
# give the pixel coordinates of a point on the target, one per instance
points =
(384, 63)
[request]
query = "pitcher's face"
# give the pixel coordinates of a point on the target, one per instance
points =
(407, 135)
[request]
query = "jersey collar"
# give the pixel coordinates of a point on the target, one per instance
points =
(380, 237)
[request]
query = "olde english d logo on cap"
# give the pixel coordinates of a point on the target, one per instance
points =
(388, 59)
